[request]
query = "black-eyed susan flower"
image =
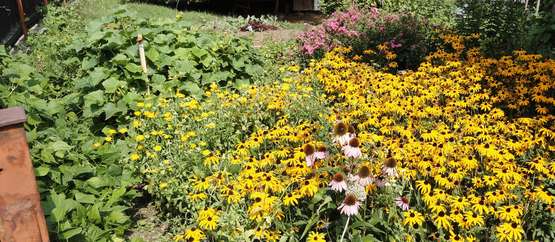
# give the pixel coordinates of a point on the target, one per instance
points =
(412, 217)
(441, 220)
(194, 234)
(509, 232)
(208, 219)
(316, 237)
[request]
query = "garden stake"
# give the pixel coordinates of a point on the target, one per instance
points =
(142, 52)
(143, 59)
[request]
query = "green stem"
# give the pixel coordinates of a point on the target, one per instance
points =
(345, 229)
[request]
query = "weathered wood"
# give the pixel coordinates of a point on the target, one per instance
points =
(21, 214)
(12, 116)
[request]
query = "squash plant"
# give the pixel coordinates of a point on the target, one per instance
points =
(178, 57)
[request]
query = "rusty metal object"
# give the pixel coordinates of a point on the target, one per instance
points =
(22, 18)
(21, 215)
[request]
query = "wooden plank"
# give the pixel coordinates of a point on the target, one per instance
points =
(11, 116)
(21, 214)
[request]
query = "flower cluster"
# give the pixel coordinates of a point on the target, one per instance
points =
(432, 154)
(467, 166)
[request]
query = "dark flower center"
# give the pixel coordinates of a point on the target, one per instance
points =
(340, 129)
(364, 172)
(390, 163)
(354, 142)
(338, 177)
(308, 149)
(350, 200)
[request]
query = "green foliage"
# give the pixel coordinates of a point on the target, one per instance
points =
(438, 12)
(76, 82)
(541, 31)
(330, 6)
(501, 24)
(179, 58)
(84, 190)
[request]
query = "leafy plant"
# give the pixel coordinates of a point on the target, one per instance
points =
(406, 36)
(501, 24)
(77, 89)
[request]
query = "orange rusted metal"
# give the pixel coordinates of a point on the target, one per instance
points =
(22, 23)
(21, 215)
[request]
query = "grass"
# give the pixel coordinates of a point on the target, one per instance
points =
(90, 10)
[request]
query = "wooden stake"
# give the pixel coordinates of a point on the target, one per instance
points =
(142, 52)
(22, 18)
(45, 2)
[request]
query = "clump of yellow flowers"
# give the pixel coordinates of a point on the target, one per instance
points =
(460, 149)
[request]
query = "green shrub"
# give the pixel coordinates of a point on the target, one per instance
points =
(438, 12)
(541, 31)
(501, 24)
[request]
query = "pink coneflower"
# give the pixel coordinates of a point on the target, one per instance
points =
(352, 149)
(350, 205)
(402, 202)
(363, 177)
(390, 167)
(380, 181)
(342, 135)
(321, 152)
(338, 183)
(309, 152)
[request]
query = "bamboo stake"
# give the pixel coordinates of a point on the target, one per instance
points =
(22, 18)
(538, 8)
(142, 53)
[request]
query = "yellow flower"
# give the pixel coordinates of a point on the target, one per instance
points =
(157, 148)
(316, 237)
(291, 199)
(412, 217)
(211, 160)
(208, 219)
(163, 185)
(194, 234)
(140, 138)
(442, 221)
(206, 153)
(134, 157)
(509, 232)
